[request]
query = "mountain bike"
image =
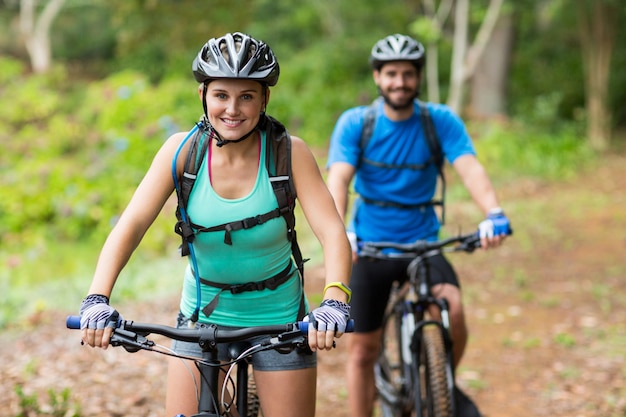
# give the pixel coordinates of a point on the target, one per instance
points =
(242, 395)
(414, 372)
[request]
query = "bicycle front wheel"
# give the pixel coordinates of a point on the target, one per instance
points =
(392, 374)
(434, 373)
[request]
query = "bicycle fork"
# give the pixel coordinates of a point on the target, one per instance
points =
(407, 329)
(416, 340)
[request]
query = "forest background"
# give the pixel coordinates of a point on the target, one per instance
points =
(89, 90)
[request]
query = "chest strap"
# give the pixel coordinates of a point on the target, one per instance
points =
(270, 284)
(401, 206)
(246, 223)
(413, 167)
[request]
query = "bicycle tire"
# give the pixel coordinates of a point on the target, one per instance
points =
(391, 373)
(434, 371)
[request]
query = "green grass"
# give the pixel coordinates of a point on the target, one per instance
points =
(59, 277)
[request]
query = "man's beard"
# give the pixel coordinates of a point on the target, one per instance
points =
(405, 104)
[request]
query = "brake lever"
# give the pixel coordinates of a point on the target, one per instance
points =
(287, 336)
(468, 245)
(130, 341)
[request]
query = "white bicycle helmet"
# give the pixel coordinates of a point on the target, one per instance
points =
(397, 48)
(236, 55)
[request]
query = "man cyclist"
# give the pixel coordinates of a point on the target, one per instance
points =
(396, 179)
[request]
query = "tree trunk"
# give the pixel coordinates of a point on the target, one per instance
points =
(489, 82)
(597, 28)
(432, 72)
(437, 17)
(464, 60)
(457, 75)
(36, 31)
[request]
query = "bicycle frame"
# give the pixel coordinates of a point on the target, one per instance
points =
(209, 378)
(420, 349)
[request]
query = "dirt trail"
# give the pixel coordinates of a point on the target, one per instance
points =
(546, 317)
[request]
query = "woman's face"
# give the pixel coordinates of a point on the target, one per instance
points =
(234, 106)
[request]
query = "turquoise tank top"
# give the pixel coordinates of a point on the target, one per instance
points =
(256, 254)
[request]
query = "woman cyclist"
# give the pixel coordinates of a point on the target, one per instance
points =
(235, 72)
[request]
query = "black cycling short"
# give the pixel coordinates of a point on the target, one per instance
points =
(371, 283)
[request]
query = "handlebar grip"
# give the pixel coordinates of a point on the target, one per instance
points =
(304, 326)
(73, 322)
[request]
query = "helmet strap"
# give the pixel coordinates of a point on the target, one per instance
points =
(204, 105)
(221, 142)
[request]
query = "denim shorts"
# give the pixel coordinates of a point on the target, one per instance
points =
(268, 360)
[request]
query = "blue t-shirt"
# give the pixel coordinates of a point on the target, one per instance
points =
(396, 143)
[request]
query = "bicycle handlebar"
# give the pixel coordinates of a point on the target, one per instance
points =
(467, 243)
(129, 332)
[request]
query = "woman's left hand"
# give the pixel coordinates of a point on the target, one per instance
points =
(328, 321)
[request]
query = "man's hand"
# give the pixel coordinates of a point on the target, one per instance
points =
(494, 229)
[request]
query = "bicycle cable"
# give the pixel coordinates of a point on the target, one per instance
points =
(244, 354)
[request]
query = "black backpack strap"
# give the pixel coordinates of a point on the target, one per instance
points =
(197, 149)
(431, 136)
(270, 283)
(400, 205)
(437, 154)
(369, 120)
(246, 223)
(278, 162)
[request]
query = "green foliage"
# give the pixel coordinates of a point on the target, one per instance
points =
(10, 69)
(537, 148)
(296, 98)
(59, 404)
(424, 30)
(28, 404)
(67, 175)
(565, 339)
(155, 37)
(323, 61)
(546, 30)
(83, 30)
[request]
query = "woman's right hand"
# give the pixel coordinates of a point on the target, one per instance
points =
(97, 320)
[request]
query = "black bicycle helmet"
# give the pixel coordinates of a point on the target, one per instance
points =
(397, 48)
(236, 55)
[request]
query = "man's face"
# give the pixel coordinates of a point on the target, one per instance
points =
(398, 83)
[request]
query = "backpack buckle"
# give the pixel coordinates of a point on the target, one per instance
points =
(251, 221)
(249, 286)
